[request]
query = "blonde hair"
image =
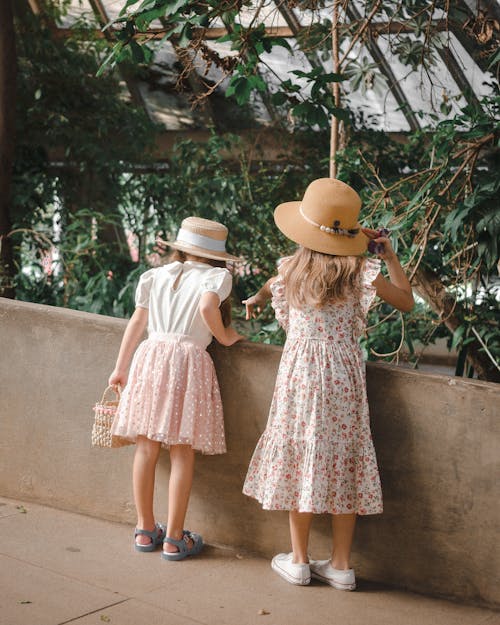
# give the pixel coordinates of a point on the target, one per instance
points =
(316, 279)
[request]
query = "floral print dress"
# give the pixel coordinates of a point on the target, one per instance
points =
(316, 454)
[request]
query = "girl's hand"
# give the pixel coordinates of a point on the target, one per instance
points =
(388, 252)
(397, 290)
(118, 378)
(232, 337)
(253, 306)
(259, 300)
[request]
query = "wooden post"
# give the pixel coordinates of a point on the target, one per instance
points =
(334, 133)
(8, 72)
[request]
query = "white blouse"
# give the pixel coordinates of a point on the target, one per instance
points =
(172, 295)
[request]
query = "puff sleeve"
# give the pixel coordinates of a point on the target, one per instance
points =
(144, 289)
(218, 281)
(370, 270)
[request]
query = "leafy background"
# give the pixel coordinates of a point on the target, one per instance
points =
(74, 218)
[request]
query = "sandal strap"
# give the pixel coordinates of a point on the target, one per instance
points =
(182, 544)
(154, 534)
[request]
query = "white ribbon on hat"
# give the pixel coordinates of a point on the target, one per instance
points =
(199, 240)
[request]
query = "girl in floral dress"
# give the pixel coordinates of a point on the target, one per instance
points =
(171, 396)
(316, 455)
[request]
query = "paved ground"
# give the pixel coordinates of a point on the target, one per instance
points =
(58, 567)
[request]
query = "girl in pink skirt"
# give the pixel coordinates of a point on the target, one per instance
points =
(316, 455)
(171, 396)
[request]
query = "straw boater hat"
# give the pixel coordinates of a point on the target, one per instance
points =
(326, 220)
(202, 237)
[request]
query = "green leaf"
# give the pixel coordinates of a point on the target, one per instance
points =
(409, 342)
(137, 52)
(329, 78)
(173, 7)
(342, 114)
(445, 108)
(300, 73)
(289, 86)
(279, 41)
(279, 98)
(186, 36)
(455, 220)
(257, 82)
(127, 4)
(225, 38)
(494, 59)
(146, 5)
(490, 222)
(110, 59)
(144, 19)
(457, 337)
(303, 109)
(240, 87)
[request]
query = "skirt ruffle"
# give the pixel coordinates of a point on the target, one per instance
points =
(314, 476)
(172, 396)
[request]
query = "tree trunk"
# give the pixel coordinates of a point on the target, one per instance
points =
(8, 71)
(431, 289)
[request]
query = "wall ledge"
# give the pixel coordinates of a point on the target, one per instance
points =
(437, 440)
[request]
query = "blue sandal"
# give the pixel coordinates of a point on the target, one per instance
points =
(157, 537)
(183, 546)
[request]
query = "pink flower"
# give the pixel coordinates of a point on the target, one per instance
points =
(132, 246)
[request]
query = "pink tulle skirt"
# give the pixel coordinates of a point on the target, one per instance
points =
(172, 396)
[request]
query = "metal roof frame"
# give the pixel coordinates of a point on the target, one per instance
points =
(370, 30)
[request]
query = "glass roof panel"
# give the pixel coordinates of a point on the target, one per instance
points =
(77, 10)
(113, 7)
(425, 90)
(479, 81)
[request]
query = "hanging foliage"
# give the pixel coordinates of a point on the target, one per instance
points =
(419, 32)
(85, 230)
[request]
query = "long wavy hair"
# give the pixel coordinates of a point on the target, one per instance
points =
(225, 307)
(315, 279)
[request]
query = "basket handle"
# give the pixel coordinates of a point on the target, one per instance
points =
(117, 390)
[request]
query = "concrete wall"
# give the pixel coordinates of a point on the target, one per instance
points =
(437, 440)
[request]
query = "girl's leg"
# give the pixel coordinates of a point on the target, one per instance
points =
(143, 478)
(343, 534)
(179, 489)
(300, 524)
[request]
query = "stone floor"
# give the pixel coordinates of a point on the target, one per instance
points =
(57, 567)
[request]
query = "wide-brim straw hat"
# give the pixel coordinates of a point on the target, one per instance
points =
(202, 237)
(326, 220)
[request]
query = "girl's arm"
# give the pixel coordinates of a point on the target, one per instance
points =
(259, 300)
(211, 315)
(396, 291)
(133, 334)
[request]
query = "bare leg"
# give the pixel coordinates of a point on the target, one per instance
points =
(143, 478)
(300, 524)
(179, 489)
(343, 534)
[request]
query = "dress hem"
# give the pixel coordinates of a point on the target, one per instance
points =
(316, 510)
(166, 444)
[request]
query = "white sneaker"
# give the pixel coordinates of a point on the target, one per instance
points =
(298, 574)
(340, 579)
